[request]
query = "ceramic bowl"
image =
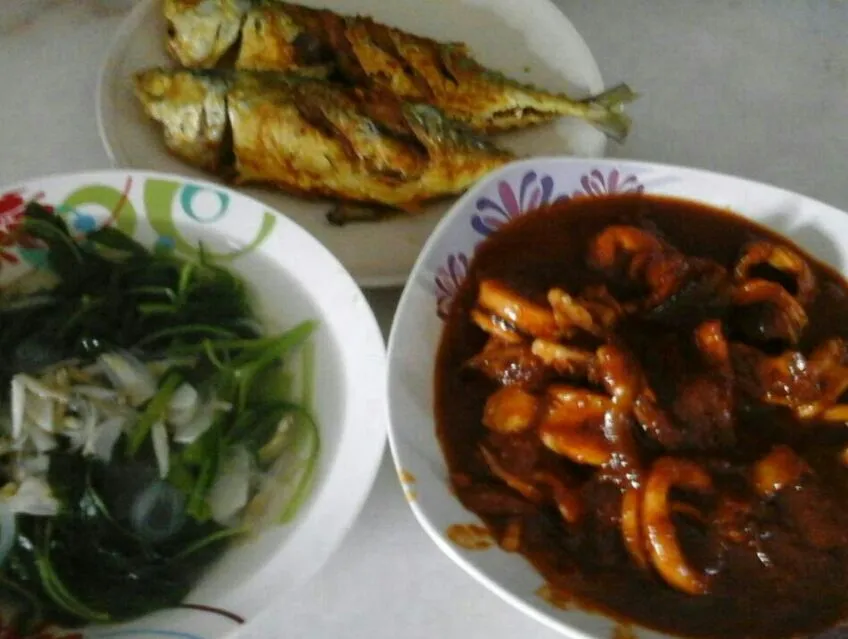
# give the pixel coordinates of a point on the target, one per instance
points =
(440, 270)
(292, 278)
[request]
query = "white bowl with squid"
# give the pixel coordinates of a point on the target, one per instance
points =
(437, 276)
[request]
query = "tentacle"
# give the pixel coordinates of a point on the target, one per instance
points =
(515, 482)
(576, 314)
(496, 327)
(524, 315)
(566, 360)
(567, 499)
(508, 363)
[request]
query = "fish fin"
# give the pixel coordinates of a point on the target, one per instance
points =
(343, 213)
(606, 111)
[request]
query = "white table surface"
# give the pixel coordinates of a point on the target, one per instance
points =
(755, 87)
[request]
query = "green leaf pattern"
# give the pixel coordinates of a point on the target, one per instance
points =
(166, 206)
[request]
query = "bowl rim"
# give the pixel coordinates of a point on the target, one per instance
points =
(462, 204)
(357, 418)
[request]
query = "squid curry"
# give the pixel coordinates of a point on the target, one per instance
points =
(644, 397)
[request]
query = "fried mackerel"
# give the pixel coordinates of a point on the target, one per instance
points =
(312, 137)
(274, 35)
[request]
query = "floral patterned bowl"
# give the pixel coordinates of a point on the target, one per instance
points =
(440, 270)
(292, 278)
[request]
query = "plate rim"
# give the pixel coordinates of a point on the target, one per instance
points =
(390, 278)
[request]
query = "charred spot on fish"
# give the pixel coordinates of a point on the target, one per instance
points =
(445, 70)
(311, 50)
(227, 157)
(230, 57)
(171, 30)
(314, 115)
(381, 38)
(336, 32)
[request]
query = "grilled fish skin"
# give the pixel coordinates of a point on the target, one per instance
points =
(314, 138)
(282, 36)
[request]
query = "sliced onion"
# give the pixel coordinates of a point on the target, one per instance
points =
(8, 531)
(76, 438)
(129, 375)
(278, 442)
(95, 392)
(230, 491)
(34, 498)
(42, 390)
(160, 448)
(106, 437)
(183, 405)
(37, 465)
(42, 440)
(281, 488)
(18, 405)
(31, 283)
(40, 411)
(158, 512)
(199, 424)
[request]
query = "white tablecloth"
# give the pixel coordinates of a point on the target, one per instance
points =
(758, 88)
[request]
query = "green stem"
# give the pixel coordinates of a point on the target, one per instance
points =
(155, 409)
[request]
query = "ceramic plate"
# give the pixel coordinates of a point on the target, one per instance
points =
(531, 40)
(820, 229)
(292, 278)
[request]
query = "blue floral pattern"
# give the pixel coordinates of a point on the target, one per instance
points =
(513, 198)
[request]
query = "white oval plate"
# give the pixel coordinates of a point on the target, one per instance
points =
(292, 278)
(531, 40)
(442, 266)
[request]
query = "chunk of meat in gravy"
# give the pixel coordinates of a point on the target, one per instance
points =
(704, 405)
(817, 516)
(519, 455)
(601, 529)
(492, 500)
(694, 408)
(705, 289)
(784, 379)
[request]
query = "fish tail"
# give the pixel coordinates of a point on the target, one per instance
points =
(606, 111)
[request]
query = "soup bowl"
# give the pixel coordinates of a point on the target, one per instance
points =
(290, 277)
(436, 279)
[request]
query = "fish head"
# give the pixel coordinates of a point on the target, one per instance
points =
(200, 32)
(191, 106)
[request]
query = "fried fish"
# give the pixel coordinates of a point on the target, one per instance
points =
(271, 34)
(312, 137)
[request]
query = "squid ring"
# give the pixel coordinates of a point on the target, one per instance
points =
(631, 526)
(658, 528)
(782, 259)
